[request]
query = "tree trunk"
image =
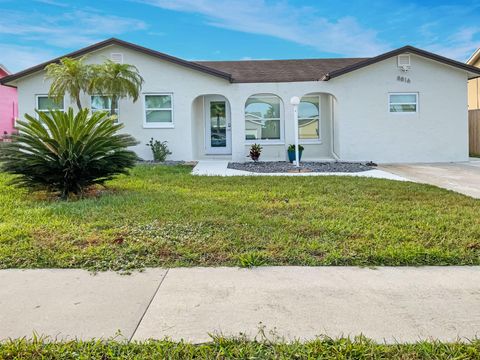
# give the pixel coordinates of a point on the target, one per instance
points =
(79, 105)
(113, 105)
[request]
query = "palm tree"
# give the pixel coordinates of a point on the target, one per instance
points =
(70, 76)
(116, 81)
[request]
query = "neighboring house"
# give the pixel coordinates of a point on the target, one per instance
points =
(407, 105)
(8, 105)
(474, 84)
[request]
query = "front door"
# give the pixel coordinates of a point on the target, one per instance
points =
(218, 128)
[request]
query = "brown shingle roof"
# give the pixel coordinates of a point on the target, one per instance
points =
(251, 71)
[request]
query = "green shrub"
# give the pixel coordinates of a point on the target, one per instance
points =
(291, 147)
(66, 153)
(159, 149)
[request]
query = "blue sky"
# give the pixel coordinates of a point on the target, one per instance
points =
(37, 30)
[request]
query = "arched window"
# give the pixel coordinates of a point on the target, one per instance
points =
(263, 118)
(309, 118)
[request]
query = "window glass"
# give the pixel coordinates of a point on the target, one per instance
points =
(263, 118)
(158, 109)
(399, 99)
(161, 116)
(158, 101)
(406, 103)
(44, 103)
(102, 103)
(309, 118)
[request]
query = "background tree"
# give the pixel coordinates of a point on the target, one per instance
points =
(69, 76)
(116, 81)
(66, 153)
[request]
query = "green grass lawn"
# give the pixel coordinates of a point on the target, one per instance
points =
(163, 216)
(222, 348)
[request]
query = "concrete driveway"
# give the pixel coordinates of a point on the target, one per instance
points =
(460, 177)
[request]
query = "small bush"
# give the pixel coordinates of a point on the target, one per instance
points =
(291, 147)
(251, 259)
(159, 149)
(255, 152)
(66, 153)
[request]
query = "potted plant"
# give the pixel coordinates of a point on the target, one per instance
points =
(291, 152)
(255, 152)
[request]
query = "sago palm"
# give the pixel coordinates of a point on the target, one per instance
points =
(69, 76)
(116, 81)
(65, 153)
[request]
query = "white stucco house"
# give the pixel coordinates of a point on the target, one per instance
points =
(407, 105)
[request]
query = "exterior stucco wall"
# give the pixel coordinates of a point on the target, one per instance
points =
(8, 107)
(360, 129)
(438, 132)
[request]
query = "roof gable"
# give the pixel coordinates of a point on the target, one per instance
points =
(405, 49)
(114, 41)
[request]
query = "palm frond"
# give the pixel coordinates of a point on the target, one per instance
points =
(63, 152)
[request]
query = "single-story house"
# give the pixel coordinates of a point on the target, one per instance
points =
(407, 105)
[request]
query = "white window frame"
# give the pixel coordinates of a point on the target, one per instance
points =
(46, 110)
(158, 125)
(280, 141)
(389, 103)
(319, 139)
(107, 110)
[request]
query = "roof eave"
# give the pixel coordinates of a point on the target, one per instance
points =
(405, 49)
(114, 41)
(474, 58)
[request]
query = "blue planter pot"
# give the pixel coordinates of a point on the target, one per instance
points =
(291, 155)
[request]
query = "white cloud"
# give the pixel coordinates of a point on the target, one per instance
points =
(16, 57)
(460, 45)
(75, 28)
(53, 2)
(300, 24)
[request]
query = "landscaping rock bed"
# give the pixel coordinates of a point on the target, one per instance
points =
(307, 166)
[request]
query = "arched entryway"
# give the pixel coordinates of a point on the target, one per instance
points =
(316, 125)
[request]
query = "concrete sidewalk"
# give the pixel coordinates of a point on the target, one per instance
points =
(387, 304)
(220, 168)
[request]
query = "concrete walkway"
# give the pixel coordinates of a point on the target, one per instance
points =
(387, 304)
(220, 168)
(463, 178)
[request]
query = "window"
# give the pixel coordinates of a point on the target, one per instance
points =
(158, 110)
(309, 118)
(103, 103)
(46, 104)
(263, 118)
(403, 103)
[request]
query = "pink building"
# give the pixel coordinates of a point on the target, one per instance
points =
(8, 105)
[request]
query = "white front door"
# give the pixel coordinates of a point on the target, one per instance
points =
(218, 127)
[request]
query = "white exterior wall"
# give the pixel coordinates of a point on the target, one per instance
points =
(438, 132)
(361, 129)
